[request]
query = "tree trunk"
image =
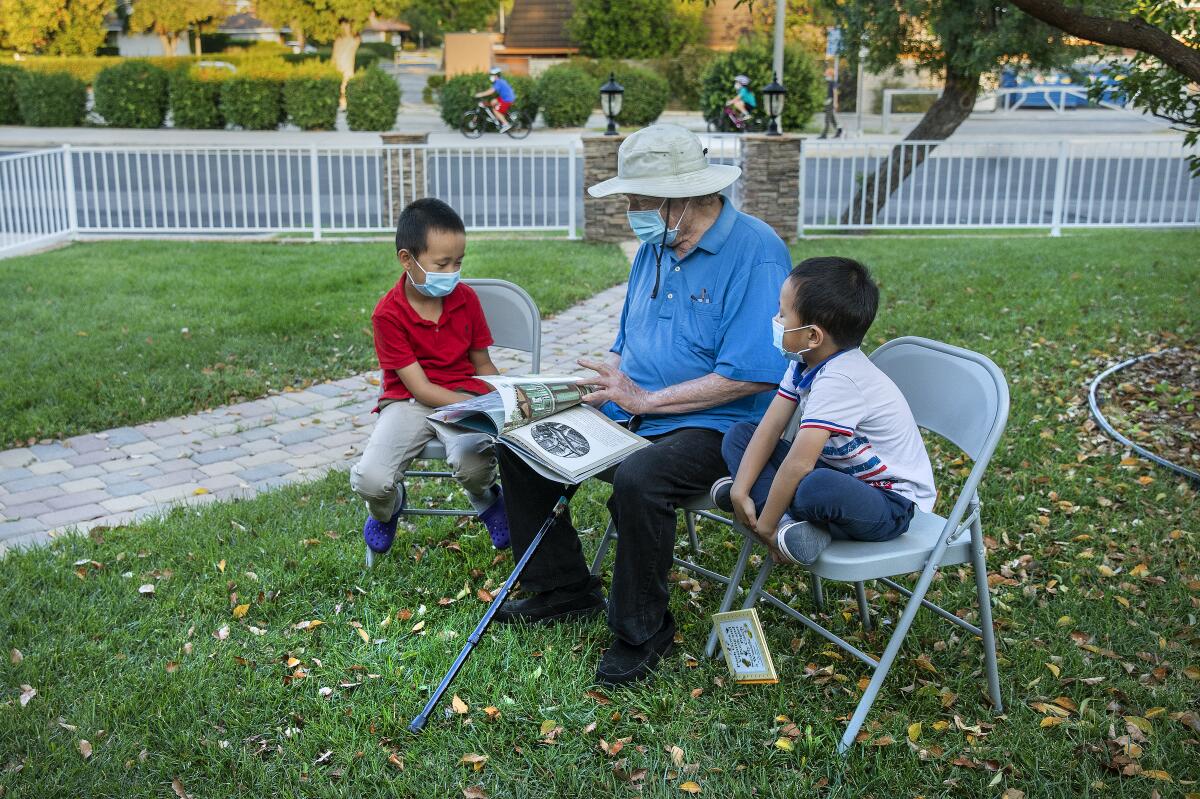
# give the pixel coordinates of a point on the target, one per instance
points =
(298, 35)
(344, 48)
(168, 41)
(943, 118)
(199, 49)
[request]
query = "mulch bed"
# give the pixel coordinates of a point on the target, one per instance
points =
(1156, 404)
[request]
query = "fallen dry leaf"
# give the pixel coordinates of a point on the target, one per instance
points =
(147, 589)
(85, 748)
(547, 726)
(914, 731)
(177, 787)
(785, 744)
(460, 707)
(28, 692)
(395, 761)
(241, 610)
(690, 786)
(474, 792)
(492, 712)
(307, 625)
(15, 657)
(363, 635)
(475, 761)
(222, 633)
(171, 666)
(221, 567)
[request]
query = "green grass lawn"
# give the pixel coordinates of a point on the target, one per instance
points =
(1093, 559)
(107, 334)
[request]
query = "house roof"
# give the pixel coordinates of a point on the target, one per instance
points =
(243, 23)
(540, 25)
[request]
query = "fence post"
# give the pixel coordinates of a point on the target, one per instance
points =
(315, 188)
(886, 122)
(800, 199)
(1060, 190)
(573, 162)
(69, 186)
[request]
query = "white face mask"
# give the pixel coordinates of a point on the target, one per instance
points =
(777, 331)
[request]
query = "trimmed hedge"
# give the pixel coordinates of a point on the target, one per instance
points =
(372, 100)
(252, 103)
(433, 88)
(567, 95)
(802, 78)
(132, 95)
(312, 103)
(196, 99)
(51, 99)
(10, 113)
(457, 95)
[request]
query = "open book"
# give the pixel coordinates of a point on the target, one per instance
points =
(543, 419)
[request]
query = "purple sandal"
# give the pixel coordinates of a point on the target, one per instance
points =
(379, 535)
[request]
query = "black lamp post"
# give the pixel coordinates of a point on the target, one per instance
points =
(774, 93)
(610, 102)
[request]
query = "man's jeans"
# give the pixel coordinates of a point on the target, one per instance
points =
(842, 504)
(648, 486)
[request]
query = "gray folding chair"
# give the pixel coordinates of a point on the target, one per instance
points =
(516, 324)
(963, 397)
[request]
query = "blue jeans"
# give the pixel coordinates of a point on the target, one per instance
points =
(844, 505)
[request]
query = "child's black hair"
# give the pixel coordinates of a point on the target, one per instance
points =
(421, 216)
(837, 294)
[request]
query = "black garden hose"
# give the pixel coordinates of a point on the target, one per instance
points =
(1108, 428)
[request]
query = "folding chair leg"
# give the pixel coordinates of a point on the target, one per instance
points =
(370, 558)
(689, 519)
(984, 597)
(735, 581)
(889, 657)
(610, 533)
(759, 581)
(864, 610)
(818, 590)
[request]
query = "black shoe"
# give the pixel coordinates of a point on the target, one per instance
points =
(720, 494)
(560, 604)
(624, 663)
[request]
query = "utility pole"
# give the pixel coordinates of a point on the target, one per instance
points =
(777, 65)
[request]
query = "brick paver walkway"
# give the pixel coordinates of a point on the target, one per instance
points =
(128, 473)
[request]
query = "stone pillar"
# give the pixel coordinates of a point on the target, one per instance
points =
(403, 170)
(603, 217)
(771, 181)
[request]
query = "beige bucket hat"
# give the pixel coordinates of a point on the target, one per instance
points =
(665, 161)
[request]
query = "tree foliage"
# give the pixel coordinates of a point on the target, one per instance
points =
(56, 27)
(337, 21)
(299, 16)
(635, 28)
(435, 18)
(171, 19)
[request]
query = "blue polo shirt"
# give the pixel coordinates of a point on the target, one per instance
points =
(712, 314)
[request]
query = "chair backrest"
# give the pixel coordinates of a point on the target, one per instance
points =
(512, 315)
(956, 393)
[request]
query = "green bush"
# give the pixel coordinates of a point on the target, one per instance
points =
(684, 72)
(51, 99)
(372, 100)
(133, 94)
(567, 95)
(802, 78)
(384, 50)
(251, 103)
(196, 99)
(312, 103)
(646, 93)
(10, 114)
(635, 28)
(456, 96)
(433, 86)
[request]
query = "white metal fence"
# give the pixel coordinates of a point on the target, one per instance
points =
(35, 207)
(1142, 182)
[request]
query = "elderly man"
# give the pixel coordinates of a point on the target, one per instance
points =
(692, 357)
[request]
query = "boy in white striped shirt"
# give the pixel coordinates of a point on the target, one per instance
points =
(857, 467)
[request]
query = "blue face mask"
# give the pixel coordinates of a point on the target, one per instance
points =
(777, 331)
(437, 284)
(649, 226)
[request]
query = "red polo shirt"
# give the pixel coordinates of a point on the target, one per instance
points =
(403, 337)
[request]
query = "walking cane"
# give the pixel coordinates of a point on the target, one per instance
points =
(418, 724)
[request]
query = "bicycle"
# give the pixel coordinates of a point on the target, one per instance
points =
(730, 121)
(476, 121)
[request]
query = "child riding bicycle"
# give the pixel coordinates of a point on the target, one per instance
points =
(743, 101)
(503, 99)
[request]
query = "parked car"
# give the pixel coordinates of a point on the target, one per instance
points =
(1076, 97)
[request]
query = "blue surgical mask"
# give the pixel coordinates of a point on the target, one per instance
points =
(437, 284)
(777, 331)
(649, 226)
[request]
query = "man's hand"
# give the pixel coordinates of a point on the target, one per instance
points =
(615, 386)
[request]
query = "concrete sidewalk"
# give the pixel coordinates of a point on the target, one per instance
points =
(121, 475)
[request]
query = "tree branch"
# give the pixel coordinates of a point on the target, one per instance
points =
(1134, 33)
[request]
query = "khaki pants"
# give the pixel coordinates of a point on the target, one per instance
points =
(400, 434)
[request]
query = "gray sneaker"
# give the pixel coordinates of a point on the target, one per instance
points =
(800, 542)
(720, 494)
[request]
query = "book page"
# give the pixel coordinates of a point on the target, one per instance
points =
(485, 413)
(577, 442)
(530, 398)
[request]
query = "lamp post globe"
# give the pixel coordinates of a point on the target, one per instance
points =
(610, 101)
(774, 93)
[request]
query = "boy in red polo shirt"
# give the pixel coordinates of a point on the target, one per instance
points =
(432, 342)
